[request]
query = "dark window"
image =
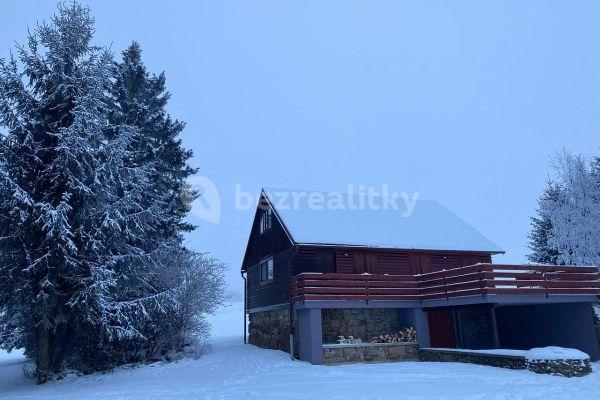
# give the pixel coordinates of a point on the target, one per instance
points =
(266, 269)
(265, 220)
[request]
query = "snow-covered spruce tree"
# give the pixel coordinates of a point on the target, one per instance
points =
(573, 211)
(139, 99)
(76, 250)
(541, 226)
(595, 167)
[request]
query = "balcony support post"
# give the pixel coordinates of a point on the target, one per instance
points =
(310, 335)
(496, 338)
(422, 326)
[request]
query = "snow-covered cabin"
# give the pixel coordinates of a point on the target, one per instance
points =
(321, 267)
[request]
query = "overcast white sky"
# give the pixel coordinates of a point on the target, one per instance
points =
(463, 101)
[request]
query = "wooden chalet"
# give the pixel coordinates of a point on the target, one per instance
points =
(315, 275)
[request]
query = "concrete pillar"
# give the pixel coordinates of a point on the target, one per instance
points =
(311, 335)
(422, 327)
(496, 338)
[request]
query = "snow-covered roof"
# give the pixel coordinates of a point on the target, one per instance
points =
(430, 226)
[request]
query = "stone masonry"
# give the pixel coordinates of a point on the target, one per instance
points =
(370, 352)
(568, 368)
(360, 323)
(270, 329)
(494, 360)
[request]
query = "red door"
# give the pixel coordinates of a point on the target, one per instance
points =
(441, 328)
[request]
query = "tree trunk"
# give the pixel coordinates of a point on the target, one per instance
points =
(43, 354)
(60, 345)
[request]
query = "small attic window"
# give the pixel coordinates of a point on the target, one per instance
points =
(266, 217)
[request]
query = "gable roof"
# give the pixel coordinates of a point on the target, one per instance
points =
(430, 226)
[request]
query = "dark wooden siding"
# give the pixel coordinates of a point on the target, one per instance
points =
(396, 262)
(402, 262)
(393, 262)
(419, 263)
(365, 261)
(470, 259)
(445, 261)
(274, 242)
(277, 291)
(314, 259)
(344, 261)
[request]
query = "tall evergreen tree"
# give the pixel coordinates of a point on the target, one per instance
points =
(76, 248)
(541, 227)
(595, 168)
(140, 100)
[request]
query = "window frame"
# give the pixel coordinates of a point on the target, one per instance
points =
(265, 277)
(265, 222)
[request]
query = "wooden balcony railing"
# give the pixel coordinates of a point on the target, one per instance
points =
(474, 280)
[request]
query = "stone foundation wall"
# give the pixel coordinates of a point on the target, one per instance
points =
(494, 360)
(370, 352)
(568, 368)
(360, 323)
(270, 329)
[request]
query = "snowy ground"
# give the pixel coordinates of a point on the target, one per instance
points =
(236, 371)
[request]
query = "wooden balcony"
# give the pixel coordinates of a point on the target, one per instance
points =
(474, 280)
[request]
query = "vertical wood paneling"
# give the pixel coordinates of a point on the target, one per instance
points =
(371, 263)
(344, 261)
(401, 262)
(420, 263)
(359, 262)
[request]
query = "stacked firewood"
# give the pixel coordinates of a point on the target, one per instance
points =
(403, 335)
(349, 340)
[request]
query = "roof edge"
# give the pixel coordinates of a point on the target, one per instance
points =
(264, 194)
(359, 246)
(279, 218)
